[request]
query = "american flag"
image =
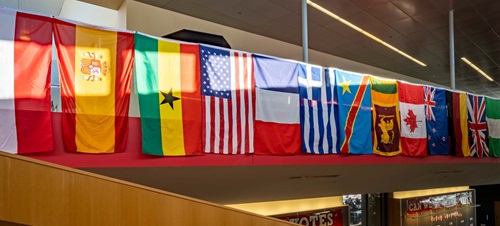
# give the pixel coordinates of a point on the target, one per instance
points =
(477, 125)
(227, 86)
(429, 102)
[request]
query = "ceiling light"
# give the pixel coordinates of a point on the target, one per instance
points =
(477, 69)
(334, 16)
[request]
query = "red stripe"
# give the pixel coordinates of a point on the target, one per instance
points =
(65, 38)
(211, 141)
(124, 65)
(191, 99)
(356, 106)
(252, 102)
(230, 121)
(237, 99)
(222, 123)
(456, 124)
(246, 103)
(32, 83)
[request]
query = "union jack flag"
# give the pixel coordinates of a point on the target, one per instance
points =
(429, 102)
(478, 133)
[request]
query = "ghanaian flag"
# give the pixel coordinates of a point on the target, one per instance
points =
(386, 122)
(95, 76)
(168, 85)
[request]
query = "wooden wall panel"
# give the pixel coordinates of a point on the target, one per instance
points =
(38, 193)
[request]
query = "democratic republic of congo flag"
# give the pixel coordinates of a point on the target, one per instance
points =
(386, 123)
(355, 114)
(95, 67)
(168, 85)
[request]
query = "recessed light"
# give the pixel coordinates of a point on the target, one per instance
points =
(476, 68)
(369, 35)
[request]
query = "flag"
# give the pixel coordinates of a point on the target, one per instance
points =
(458, 128)
(228, 101)
(413, 127)
(478, 134)
(277, 120)
(354, 112)
(95, 68)
(493, 121)
(168, 85)
(317, 115)
(25, 55)
(437, 122)
(385, 117)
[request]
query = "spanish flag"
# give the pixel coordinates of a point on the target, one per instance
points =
(25, 47)
(95, 68)
(167, 76)
(386, 123)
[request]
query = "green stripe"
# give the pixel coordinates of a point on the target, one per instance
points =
(494, 146)
(146, 78)
(381, 86)
(492, 108)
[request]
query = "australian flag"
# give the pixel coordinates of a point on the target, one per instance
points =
(437, 121)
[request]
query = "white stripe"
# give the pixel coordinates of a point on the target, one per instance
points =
(250, 101)
(8, 130)
(493, 127)
(332, 113)
(216, 126)
(419, 110)
(207, 124)
(225, 139)
(241, 90)
(315, 126)
(307, 127)
(233, 101)
(325, 124)
(279, 107)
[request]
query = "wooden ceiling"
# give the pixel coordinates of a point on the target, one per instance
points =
(417, 27)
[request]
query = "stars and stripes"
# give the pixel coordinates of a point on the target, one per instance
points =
(477, 125)
(227, 88)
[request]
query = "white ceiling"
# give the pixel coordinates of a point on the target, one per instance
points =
(46, 7)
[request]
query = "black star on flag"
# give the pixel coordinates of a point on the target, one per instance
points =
(169, 98)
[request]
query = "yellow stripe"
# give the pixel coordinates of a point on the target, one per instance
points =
(169, 63)
(463, 124)
(95, 123)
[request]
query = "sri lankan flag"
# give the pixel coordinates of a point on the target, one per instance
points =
(386, 123)
(95, 69)
(168, 85)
